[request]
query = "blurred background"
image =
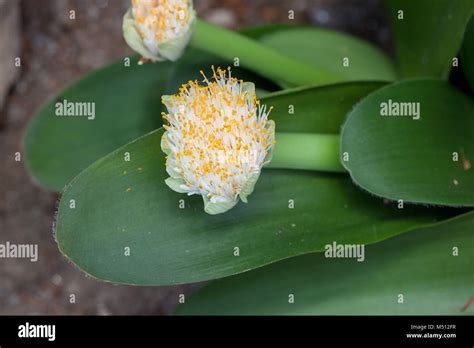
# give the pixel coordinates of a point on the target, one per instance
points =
(55, 50)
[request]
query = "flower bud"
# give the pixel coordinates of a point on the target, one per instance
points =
(159, 30)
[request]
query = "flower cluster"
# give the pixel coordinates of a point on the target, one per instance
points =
(217, 140)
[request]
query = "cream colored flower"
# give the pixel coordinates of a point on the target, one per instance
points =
(159, 29)
(217, 140)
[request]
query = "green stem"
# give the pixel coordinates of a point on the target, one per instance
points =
(257, 57)
(307, 151)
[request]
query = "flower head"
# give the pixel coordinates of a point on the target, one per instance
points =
(217, 140)
(159, 29)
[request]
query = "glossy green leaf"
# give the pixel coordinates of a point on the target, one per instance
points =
(467, 56)
(319, 110)
(120, 204)
(259, 31)
(427, 34)
(342, 54)
(423, 160)
(127, 102)
(431, 268)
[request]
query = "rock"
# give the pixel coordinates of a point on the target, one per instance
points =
(9, 45)
(222, 17)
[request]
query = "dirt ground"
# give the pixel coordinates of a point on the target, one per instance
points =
(55, 51)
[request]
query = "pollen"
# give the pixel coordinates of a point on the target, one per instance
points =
(161, 20)
(217, 138)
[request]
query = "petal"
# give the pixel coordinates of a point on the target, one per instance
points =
(164, 144)
(173, 172)
(132, 36)
(247, 189)
(176, 184)
(249, 87)
(214, 208)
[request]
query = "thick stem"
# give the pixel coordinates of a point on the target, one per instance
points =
(307, 151)
(257, 57)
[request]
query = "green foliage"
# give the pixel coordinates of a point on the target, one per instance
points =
(467, 54)
(427, 34)
(122, 204)
(431, 268)
(127, 105)
(118, 221)
(424, 160)
(343, 55)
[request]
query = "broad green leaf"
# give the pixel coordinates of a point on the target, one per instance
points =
(319, 110)
(427, 34)
(127, 105)
(431, 268)
(120, 204)
(257, 32)
(467, 55)
(347, 56)
(422, 160)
